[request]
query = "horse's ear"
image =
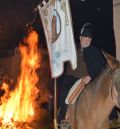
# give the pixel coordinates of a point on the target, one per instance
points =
(113, 63)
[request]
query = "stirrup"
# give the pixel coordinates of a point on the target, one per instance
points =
(66, 124)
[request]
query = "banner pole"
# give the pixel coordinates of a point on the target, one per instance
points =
(55, 104)
(55, 94)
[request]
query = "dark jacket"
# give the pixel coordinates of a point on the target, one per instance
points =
(95, 61)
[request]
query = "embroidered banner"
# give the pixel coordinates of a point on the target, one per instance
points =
(57, 23)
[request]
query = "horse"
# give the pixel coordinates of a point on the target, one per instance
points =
(95, 103)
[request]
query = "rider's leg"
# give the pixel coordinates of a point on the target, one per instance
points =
(65, 87)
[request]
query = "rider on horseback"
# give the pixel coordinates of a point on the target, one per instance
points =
(93, 60)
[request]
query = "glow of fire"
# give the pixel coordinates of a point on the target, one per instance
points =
(19, 106)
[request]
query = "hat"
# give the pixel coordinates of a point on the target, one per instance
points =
(86, 30)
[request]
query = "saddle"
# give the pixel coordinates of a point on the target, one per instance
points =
(71, 98)
(74, 92)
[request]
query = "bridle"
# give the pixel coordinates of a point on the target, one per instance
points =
(117, 86)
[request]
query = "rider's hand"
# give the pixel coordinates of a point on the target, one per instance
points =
(87, 79)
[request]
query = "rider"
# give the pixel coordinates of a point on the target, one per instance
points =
(95, 61)
(93, 58)
(89, 58)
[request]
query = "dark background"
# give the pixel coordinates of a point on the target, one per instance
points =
(16, 14)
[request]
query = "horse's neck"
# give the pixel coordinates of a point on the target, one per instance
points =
(102, 88)
(102, 82)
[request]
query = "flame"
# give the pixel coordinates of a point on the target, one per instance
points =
(19, 106)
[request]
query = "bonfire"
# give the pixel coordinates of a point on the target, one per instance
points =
(18, 106)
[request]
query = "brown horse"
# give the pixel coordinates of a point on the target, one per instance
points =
(95, 103)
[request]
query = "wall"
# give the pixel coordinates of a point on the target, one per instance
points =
(116, 14)
(11, 65)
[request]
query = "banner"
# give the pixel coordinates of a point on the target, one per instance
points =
(57, 24)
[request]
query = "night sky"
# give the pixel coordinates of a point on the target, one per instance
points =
(15, 14)
(100, 14)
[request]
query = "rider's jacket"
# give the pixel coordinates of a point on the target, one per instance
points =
(95, 61)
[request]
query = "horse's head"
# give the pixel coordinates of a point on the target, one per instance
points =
(115, 75)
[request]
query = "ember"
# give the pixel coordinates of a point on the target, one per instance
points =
(17, 125)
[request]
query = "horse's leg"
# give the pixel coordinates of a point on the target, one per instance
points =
(71, 112)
